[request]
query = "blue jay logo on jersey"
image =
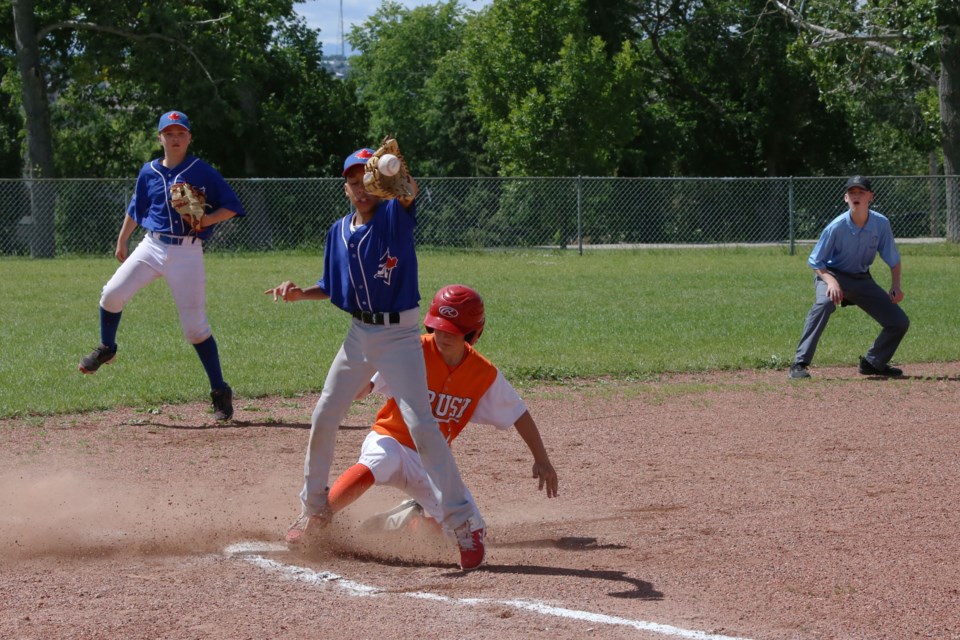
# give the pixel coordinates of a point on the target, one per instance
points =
(387, 264)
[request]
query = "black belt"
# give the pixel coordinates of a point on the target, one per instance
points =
(853, 276)
(369, 317)
(167, 239)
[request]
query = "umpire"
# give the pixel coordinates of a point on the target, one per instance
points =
(841, 261)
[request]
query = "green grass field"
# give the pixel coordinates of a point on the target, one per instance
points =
(551, 315)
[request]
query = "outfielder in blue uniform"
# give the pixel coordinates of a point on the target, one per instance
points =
(370, 272)
(169, 250)
(841, 261)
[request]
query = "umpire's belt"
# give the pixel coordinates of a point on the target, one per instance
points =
(369, 317)
(854, 276)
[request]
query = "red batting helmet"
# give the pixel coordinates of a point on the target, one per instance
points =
(457, 309)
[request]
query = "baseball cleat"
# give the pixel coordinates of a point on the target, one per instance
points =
(222, 403)
(298, 531)
(799, 371)
(406, 517)
(471, 545)
(101, 355)
(868, 369)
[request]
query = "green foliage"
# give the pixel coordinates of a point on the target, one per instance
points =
(248, 72)
(739, 106)
(519, 88)
(550, 97)
(551, 315)
(87, 126)
(886, 92)
(273, 110)
(10, 121)
(409, 77)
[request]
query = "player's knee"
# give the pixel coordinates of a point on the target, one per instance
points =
(903, 324)
(196, 335)
(112, 301)
(823, 306)
(194, 325)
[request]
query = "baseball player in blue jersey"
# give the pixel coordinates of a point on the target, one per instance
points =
(370, 271)
(841, 261)
(172, 250)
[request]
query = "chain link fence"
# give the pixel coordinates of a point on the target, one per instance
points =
(48, 218)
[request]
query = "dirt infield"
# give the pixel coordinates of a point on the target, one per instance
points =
(729, 505)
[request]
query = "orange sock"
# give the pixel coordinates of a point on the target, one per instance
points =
(351, 484)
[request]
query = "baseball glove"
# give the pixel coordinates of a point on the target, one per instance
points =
(383, 186)
(190, 203)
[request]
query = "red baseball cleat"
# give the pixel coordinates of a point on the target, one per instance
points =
(470, 541)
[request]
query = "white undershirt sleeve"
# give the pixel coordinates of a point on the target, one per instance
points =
(500, 406)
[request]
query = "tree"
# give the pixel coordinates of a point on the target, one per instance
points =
(910, 47)
(247, 71)
(10, 121)
(612, 21)
(740, 107)
(103, 70)
(411, 78)
(38, 161)
(273, 109)
(550, 97)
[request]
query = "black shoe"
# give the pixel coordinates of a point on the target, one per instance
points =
(222, 403)
(868, 369)
(101, 355)
(798, 371)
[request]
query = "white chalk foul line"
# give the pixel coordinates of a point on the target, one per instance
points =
(248, 551)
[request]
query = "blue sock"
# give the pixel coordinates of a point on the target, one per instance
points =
(210, 358)
(109, 323)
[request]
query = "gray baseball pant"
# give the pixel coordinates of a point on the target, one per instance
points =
(860, 290)
(395, 351)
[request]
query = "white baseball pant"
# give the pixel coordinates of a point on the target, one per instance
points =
(183, 269)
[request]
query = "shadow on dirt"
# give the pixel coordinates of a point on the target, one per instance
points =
(244, 424)
(567, 543)
(638, 589)
(909, 377)
(641, 589)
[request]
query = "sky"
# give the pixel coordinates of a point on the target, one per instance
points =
(325, 15)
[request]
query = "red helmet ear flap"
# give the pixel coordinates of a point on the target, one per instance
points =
(457, 308)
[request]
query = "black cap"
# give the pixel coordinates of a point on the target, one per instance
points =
(858, 181)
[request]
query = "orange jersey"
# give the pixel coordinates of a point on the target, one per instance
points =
(454, 394)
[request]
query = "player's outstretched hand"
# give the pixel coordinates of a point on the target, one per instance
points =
(548, 478)
(288, 291)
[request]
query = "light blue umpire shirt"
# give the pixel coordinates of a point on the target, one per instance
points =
(843, 246)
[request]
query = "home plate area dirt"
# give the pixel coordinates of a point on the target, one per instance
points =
(720, 505)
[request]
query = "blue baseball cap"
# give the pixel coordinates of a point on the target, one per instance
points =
(360, 156)
(171, 118)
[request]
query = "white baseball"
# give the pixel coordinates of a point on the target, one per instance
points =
(389, 164)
